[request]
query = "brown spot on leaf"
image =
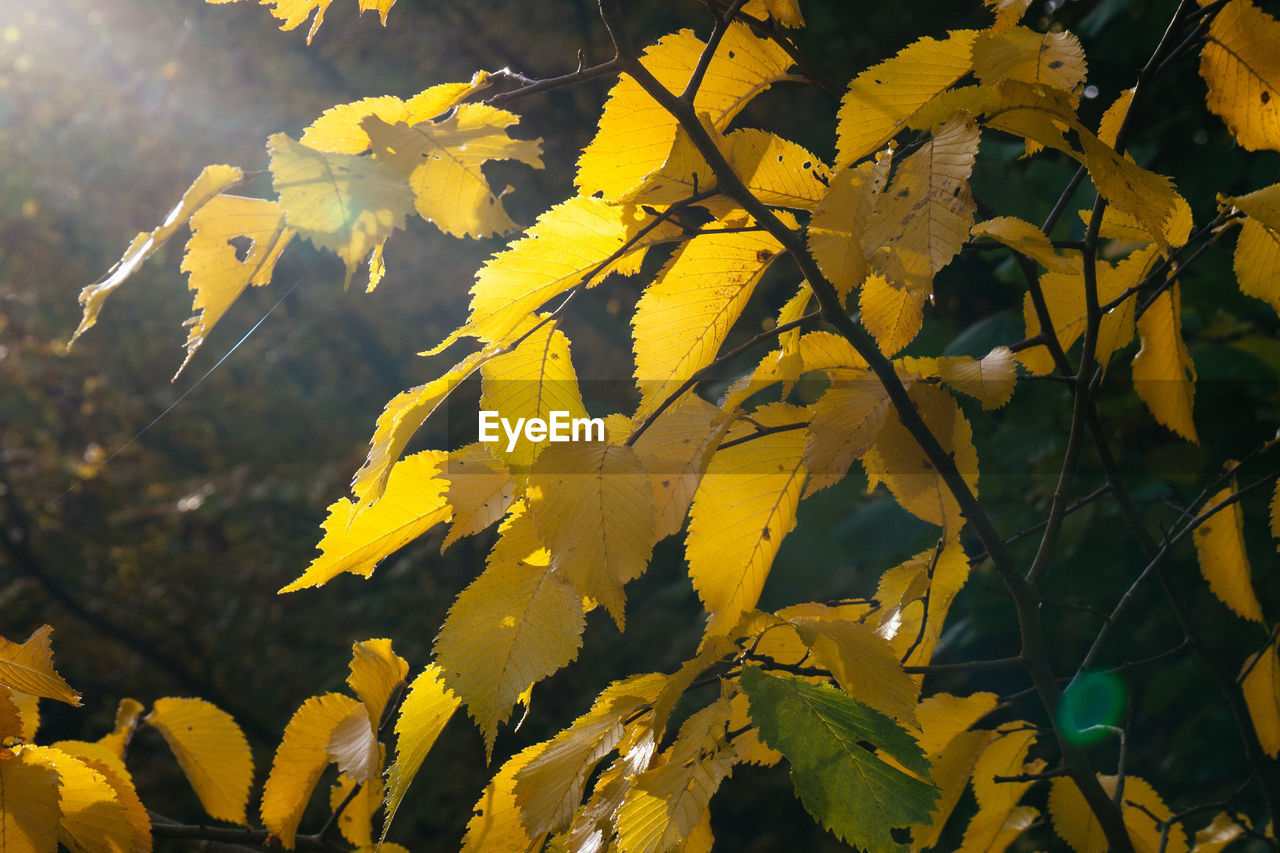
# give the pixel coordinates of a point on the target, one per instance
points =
(763, 255)
(1266, 96)
(765, 535)
(1056, 64)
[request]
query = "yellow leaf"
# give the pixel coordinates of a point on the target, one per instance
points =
(496, 823)
(942, 716)
(1053, 59)
(1262, 205)
(990, 379)
(28, 667)
(235, 242)
(637, 135)
(426, 710)
(212, 752)
(835, 233)
(549, 787)
(295, 12)
(441, 161)
(892, 312)
(575, 242)
(592, 505)
(1257, 262)
(376, 672)
(353, 746)
(1025, 238)
(1223, 562)
(594, 823)
(685, 315)
(1019, 821)
(922, 220)
(338, 128)
(480, 491)
(11, 725)
(100, 759)
(299, 760)
(897, 460)
(29, 812)
(785, 12)
(1064, 297)
(1113, 118)
(778, 171)
(401, 418)
(340, 202)
(996, 800)
(881, 99)
(1163, 373)
(1275, 513)
(516, 623)
(1217, 835)
(950, 770)
(1076, 824)
(211, 181)
(1261, 689)
(931, 578)
(676, 450)
(863, 663)
(531, 381)
(845, 424)
(92, 817)
(413, 503)
(1148, 197)
(1008, 12)
(749, 747)
(1036, 112)
(356, 820)
(28, 712)
(668, 801)
(127, 714)
(743, 509)
(1242, 68)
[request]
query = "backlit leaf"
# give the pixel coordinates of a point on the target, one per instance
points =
(212, 752)
(211, 181)
(1023, 237)
(1054, 58)
(1163, 373)
(531, 381)
(353, 746)
(376, 672)
(1242, 69)
(845, 424)
(1008, 12)
(950, 769)
(92, 817)
(863, 664)
(29, 811)
(101, 760)
(942, 716)
(835, 232)
(1215, 837)
(594, 823)
(235, 242)
(892, 312)
(1261, 688)
(1148, 197)
(344, 203)
(996, 800)
(990, 379)
(28, 667)
(496, 823)
(338, 128)
(1257, 262)
(356, 820)
(480, 491)
(299, 760)
(295, 12)
(637, 135)
(128, 713)
(592, 505)
(1223, 562)
(930, 579)
(743, 509)
(426, 709)
(667, 801)
(675, 451)
(1076, 824)
(549, 787)
(10, 717)
(515, 624)
(777, 171)
(881, 99)
(441, 161)
(413, 503)
(685, 315)
(844, 785)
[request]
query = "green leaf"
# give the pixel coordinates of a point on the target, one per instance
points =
(842, 783)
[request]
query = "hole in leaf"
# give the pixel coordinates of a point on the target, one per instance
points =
(242, 245)
(1266, 96)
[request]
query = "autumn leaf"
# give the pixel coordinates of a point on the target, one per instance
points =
(28, 667)
(376, 672)
(212, 181)
(592, 505)
(1055, 59)
(299, 760)
(480, 491)
(1221, 553)
(1261, 688)
(835, 232)
(91, 814)
(441, 161)
(1163, 373)
(847, 788)
(776, 170)
(515, 624)
(496, 823)
(295, 12)
(1242, 70)
(881, 99)
(346, 204)
(29, 806)
(212, 752)
(1142, 808)
(1004, 757)
(1257, 262)
(1023, 237)
(862, 663)
(426, 710)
